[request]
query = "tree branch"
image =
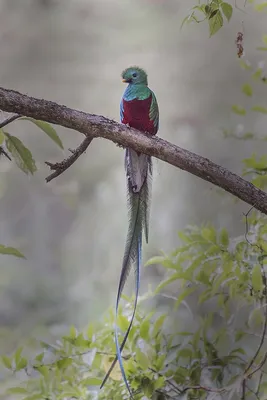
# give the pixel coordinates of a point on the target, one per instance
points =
(65, 164)
(97, 126)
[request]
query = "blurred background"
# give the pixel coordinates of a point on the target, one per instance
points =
(72, 230)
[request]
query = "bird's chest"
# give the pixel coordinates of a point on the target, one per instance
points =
(136, 114)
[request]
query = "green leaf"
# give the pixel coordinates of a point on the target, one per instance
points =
(22, 155)
(46, 128)
(252, 162)
(227, 10)
(40, 357)
(142, 359)
(184, 238)
(144, 329)
(90, 381)
(21, 364)
(73, 332)
(206, 295)
(181, 374)
(239, 335)
(97, 361)
(155, 260)
(81, 341)
(213, 13)
(7, 362)
(238, 110)
(17, 390)
(209, 234)
(259, 109)
(163, 260)
(183, 295)
(207, 9)
(261, 7)
(18, 354)
(33, 397)
(90, 331)
(247, 89)
(238, 350)
(43, 370)
(173, 278)
(224, 237)
(255, 318)
(257, 74)
(159, 383)
(158, 324)
(256, 278)
(2, 136)
(264, 39)
(215, 23)
(123, 322)
(11, 251)
(247, 136)
(64, 363)
(185, 353)
(160, 361)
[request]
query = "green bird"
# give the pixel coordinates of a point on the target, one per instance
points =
(138, 109)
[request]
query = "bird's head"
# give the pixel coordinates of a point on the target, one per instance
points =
(134, 76)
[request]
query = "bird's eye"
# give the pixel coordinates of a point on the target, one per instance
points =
(134, 75)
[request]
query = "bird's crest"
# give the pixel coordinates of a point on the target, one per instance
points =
(135, 75)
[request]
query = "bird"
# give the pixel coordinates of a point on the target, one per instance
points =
(138, 109)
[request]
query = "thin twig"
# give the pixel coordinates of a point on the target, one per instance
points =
(9, 119)
(260, 344)
(166, 395)
(2, 151)
(244, 386)
(174, 387)
(207, 389)
(4, 123)
(251, 391)
(247, 227)
(67, 162)
(259, 385)
(261, 364)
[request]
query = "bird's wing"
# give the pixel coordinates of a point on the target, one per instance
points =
(154, 112)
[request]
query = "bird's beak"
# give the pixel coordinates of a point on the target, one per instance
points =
(124, 81)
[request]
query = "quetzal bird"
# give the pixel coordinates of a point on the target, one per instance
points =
(138, 109)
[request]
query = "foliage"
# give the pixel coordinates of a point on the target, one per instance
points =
(214, 11)
(161, 358)
(21, 154)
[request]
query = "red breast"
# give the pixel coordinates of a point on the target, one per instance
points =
(136, 115)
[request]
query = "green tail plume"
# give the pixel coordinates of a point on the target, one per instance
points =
(138, 204)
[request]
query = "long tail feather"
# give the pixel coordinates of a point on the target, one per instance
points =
(139, 170)
(137, 285)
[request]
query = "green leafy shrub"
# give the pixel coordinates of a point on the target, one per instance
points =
(160, 358)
